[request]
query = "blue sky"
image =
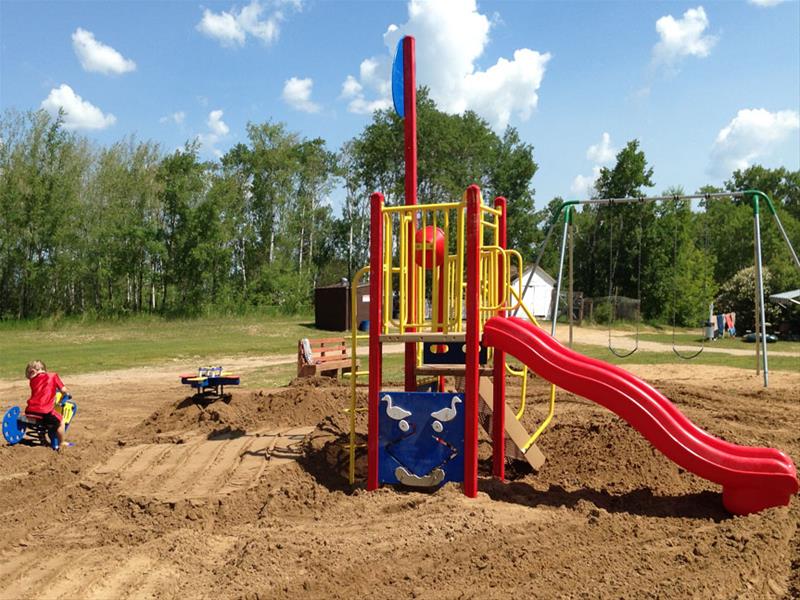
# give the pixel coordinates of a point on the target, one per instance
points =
(706, 87)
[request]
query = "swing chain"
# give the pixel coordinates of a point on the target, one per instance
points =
(675, 290)
(611, 282)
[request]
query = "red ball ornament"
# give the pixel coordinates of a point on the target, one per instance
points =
(426, 241)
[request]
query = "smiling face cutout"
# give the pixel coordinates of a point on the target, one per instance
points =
(421, 438)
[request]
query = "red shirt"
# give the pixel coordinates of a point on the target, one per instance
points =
(43, 394)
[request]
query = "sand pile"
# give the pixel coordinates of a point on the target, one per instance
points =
(304, 401)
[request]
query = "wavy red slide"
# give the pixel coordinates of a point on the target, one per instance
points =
(752, 478)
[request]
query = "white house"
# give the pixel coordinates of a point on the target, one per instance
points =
(538, 296)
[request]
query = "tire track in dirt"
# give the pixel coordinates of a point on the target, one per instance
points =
(95, 557)
(199, 468)
(137, 576)
(23, 573)
(105, 571)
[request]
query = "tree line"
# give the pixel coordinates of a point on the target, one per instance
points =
(129, 228)
(676, 257)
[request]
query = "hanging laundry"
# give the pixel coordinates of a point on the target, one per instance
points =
(721, 324)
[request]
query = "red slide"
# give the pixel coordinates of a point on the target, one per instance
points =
(752, 478)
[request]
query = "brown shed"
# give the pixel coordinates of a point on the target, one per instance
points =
(332, 306)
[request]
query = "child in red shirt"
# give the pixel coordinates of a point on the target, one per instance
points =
(44, 386)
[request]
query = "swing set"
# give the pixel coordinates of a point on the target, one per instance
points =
(567, 208)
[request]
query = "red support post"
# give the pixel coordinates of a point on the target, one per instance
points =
(410, 124)
(499, 397)
(375, 328)
(472, 342)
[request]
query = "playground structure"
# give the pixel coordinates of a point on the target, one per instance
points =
(453, 256)
(209, 382)
(20, 427)
(416, 438)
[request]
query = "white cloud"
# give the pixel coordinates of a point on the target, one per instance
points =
(361, 106)
(223, 27)
(231, 28)
(750, 135)
(583, 186)
(216, 124)
(683, 37)
(218, 129)
(766, 3)
(78, 113)
(451, 37)
(603, 152)
(297, 94)
(351, 88)
(505, 89)
(177, 117)
(97, 56)
(370, 75)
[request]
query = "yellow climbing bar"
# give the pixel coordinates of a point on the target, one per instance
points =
(552, 407)
(354, 337)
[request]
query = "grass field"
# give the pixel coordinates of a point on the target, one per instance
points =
(77, 347)
(735, 343)
(778, 363)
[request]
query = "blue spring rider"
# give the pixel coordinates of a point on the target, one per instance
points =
(17, 425)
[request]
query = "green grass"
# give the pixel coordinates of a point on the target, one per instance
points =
(695, 338)
(270, 377)
(72, 346)
(640, 357)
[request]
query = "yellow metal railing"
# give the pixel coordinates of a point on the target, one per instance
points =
(402, 225)
(552, 404)
(354, 372)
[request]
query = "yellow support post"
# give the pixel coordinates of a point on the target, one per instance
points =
(354, 368)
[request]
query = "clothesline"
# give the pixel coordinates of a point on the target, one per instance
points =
(722, 323)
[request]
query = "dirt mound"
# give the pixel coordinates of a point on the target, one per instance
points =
(305, 402)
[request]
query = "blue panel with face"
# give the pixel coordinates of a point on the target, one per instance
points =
(421, 438)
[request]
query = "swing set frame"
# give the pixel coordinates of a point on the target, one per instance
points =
(756, 198)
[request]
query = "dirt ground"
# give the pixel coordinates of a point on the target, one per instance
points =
(163, 498)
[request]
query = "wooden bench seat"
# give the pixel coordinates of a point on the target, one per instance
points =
(324, 356)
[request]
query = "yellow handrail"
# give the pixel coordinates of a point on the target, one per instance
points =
(552, 408)
(491, 210)
(354, 366)
(410, 208)
(405, 253)
(513, 253)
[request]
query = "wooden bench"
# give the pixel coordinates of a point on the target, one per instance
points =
(325, 356)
